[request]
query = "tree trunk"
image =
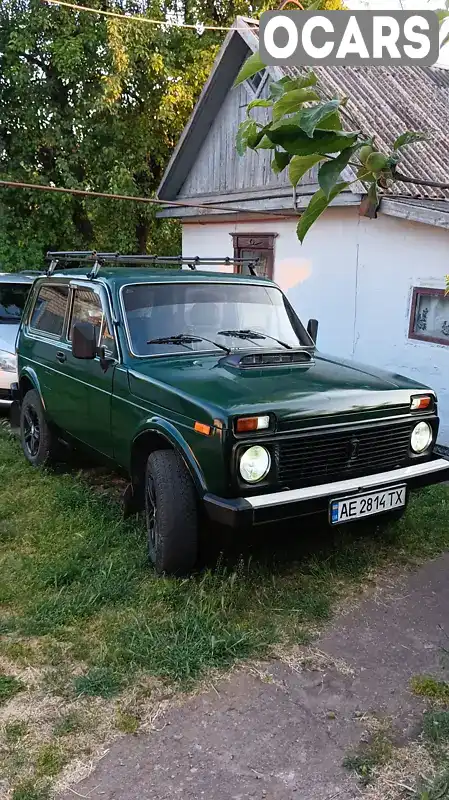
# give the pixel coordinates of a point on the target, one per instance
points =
(142, 229)
(82, 223)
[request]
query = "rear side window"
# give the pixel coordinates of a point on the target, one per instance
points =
(49, 310)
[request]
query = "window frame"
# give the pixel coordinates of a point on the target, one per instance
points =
(39, 332)
(255, 93)
(260, 242)
(105, 307)
(412, 334)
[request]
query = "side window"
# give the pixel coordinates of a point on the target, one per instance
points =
(49, 309)
(87, 307)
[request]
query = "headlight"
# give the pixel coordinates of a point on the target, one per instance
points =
(254, 464)
(8, 361)
(421, 437)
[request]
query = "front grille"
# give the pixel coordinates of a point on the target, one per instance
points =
(326, 457)
(5, 394)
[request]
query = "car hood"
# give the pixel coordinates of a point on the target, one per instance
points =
(8, 335)
(327, 386)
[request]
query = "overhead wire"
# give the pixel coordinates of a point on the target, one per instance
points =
(150, 200)
(199, 27)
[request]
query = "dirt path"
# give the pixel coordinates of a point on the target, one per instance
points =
(282, 731)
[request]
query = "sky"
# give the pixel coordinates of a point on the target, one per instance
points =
(406, 5)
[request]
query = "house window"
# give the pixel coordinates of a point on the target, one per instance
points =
(256, 82)
(429, 318)
(255, 246)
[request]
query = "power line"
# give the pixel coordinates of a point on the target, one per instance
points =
(148, 200)
(198, 27)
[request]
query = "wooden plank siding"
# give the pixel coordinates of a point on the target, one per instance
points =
(218, 169)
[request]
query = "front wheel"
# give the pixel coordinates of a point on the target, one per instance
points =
(171, 513)
(39, 443)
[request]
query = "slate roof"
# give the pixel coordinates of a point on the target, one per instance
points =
(386, 101)
(383, 101)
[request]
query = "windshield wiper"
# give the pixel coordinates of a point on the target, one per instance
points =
(185, 339)
(249, 334)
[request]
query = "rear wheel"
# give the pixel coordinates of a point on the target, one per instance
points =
(39, 443)
(171, 513)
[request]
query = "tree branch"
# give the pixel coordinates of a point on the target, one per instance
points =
(420, 182)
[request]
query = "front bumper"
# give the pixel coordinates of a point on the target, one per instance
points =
(6, 379)
(277, 506)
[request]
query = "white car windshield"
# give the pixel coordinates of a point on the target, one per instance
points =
(209, 316)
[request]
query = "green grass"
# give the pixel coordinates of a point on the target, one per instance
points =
(436, 727)
(75, 573)
(436, 789)
(429, 687)
(375, 753)
(82, 607)
(9, 687)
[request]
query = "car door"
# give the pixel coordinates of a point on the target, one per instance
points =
(90, 382)
(42, 343)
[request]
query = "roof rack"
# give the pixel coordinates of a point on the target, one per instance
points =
(98, 259)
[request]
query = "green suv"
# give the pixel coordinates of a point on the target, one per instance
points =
(207, 390)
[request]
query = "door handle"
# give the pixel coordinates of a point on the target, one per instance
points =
(61, 357)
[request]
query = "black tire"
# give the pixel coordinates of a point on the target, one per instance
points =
(39, 443)
(170, 513)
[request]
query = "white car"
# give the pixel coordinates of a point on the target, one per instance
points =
(14, 288)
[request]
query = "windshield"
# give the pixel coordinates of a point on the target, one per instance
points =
(12, 301)
(217, 311)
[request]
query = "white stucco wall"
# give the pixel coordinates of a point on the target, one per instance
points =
(356, 277)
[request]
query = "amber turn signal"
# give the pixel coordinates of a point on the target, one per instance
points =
(246, 424)
(420, 403)
(201, 428)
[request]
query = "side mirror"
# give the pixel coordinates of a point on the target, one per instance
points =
(312, 329)
(84, 340)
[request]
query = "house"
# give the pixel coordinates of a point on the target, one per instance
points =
(376, 286)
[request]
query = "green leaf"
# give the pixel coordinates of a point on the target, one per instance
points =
(258, 104)
(299, 165)
(254, 137)
(364, 175)
(246, 129)
(315, 6)
(298, 143)
(309, 79)
(370, 203)
(442, 15)
(318, 203)
(280, 161)
(330, 123)
(265, 144)
(330, 172)
(277, 88)
(292, 101)
(311, 117)
(408, 138)
(252, 65)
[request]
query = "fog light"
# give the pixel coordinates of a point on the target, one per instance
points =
(254, 464)
(421, 437)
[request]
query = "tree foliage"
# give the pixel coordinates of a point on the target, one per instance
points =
(305, 130)
(93, 103)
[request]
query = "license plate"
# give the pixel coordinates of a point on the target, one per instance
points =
(364, 505)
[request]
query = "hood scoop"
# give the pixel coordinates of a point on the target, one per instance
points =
(269, 358)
